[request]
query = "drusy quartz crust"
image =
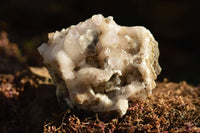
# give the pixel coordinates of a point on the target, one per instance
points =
(98, 65)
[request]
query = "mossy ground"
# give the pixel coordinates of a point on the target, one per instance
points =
(28, 103)
(173, 107)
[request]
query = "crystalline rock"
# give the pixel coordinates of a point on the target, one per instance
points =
(98, 65)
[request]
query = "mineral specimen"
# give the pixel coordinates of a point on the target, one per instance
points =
(98, 65)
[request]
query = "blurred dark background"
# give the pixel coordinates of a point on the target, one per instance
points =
(175, 24)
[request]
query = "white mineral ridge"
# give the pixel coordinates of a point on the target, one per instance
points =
(98, 65)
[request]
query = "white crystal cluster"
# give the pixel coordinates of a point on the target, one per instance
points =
(98, 65)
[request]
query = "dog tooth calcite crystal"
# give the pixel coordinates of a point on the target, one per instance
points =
(98, 65)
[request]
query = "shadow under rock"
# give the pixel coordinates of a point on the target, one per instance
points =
(42, 108)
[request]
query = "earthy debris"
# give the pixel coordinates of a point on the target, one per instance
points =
(173, 107)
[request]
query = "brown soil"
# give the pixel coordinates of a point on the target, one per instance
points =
(28, 104)
(173, 107)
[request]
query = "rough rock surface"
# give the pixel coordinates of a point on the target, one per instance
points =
(98, 65)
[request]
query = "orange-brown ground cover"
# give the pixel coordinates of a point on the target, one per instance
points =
(28, 103)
